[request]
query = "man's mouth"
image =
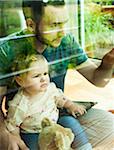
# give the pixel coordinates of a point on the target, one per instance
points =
(58, 40)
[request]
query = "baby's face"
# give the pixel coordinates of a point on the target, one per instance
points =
(37, 79)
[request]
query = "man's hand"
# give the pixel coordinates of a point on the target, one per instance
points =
(108, 59)
(104, 72)
(16, 143)
(10, 142)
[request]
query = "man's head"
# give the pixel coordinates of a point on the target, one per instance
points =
(47, 19)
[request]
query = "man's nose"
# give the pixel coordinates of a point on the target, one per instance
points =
(61, 32)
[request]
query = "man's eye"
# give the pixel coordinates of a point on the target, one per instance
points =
(45, 73)
(54, 25)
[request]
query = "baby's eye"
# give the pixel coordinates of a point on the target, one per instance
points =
(45, 73)
(36, 76)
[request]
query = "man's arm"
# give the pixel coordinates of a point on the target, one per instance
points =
(2, 90)
(9, 141)
(101, 75)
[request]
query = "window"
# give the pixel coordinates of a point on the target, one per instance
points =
(11, 17)
(91, 23)
(99, 27)
(89, 27)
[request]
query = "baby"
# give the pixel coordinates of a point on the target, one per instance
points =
(36, 99)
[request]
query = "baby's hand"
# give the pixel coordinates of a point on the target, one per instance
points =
(76, 110)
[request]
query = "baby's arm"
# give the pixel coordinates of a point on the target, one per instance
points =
(63, 102)
(72, 108)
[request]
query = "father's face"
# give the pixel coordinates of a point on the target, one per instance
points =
(52, 24)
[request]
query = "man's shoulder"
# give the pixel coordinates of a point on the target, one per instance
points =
(12, 46)
(19, 41)
(5, 41)
(11, 37)
(17, 36)
(19, 33)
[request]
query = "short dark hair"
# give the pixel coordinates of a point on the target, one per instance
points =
(36, 7)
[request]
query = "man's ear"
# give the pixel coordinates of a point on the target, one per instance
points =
(30, 24)
(19, 80)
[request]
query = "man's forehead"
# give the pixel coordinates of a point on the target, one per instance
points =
(56, 14)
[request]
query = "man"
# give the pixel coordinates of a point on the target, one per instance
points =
(47, 20)
(57, 17)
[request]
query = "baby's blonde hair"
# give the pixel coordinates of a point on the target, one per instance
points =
(22, 64)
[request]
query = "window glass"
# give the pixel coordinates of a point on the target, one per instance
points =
(15, 40)
(99, 27)
(11, 17)
(90, 26)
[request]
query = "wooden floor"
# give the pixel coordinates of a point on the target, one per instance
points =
(79, 89)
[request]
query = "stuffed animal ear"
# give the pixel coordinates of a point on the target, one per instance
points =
(46, 123)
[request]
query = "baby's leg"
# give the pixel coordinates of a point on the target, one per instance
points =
(31, 140)
(80, 141)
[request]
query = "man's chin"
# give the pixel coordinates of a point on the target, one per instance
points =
(55, 44)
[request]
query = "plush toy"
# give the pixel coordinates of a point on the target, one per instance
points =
(54, 137)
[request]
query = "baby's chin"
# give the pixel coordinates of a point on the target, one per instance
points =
(44, 88)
